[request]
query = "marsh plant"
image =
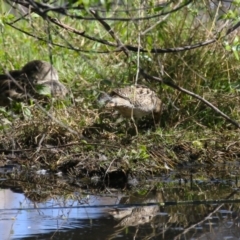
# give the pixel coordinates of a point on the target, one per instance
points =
(186, 51)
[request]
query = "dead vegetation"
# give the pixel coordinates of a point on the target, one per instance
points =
(192, 66)
(111, 157)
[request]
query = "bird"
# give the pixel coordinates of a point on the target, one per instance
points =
(18, 84)
(135, 102)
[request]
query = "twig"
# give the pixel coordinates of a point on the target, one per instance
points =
(205, 218)
(43, 9)
(57, 147)
(111, 32)
(169, 83)
(173, 85)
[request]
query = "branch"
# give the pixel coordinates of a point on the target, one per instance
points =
(206, 218)
(111, 32)
(40, 9)
(59, 45)
(45, 8)
(81, 33)
(173, 85)
(169, 83)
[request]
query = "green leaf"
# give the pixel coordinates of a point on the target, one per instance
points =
(43, 90)
(149, 42)
(26, 112)
(227, 46)
(86, 3)
(106, 82)
(236, 40)
(197, 144)
(236, 55)
(236, 2)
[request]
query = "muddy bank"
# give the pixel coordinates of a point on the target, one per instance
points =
(114, 161)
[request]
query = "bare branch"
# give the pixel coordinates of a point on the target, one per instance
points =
(173, 85)
(111, 32)
(43, 8)
(40, 9)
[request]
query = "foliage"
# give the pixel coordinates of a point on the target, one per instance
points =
(100, 45)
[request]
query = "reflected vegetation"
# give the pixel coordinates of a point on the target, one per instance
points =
(172, 183)
(181, 204)
(173, 220)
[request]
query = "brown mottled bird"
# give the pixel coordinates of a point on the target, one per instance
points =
(133, 101)
(17, 84)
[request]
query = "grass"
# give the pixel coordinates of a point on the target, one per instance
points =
(190, 132)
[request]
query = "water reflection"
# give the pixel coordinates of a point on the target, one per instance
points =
(20, 217)
(116, 216)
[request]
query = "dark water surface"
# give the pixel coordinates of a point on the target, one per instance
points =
(117, 216)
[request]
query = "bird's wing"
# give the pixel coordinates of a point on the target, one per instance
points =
(137, 95)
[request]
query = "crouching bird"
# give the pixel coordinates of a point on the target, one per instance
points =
(133, 102)
(35, 75)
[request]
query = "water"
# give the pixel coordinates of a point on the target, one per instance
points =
(20, 218)
(115, 216)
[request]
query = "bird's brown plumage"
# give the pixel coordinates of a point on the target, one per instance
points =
(134, 101)
(19, 83)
